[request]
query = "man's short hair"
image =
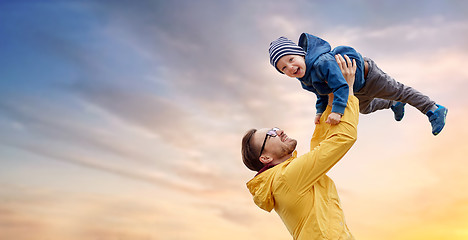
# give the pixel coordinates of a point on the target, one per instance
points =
(250, 153)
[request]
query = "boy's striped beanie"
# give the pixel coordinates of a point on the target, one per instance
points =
(283, 46)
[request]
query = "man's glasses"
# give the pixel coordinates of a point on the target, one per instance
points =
(270, 133)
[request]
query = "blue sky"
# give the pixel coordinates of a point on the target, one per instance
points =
(131, 113)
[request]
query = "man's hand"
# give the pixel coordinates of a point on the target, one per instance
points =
(333, 118)
(348, 69)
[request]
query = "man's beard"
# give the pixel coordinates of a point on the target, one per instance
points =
(288, 149)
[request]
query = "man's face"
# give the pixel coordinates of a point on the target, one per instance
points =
(292, 65)
(277, 146)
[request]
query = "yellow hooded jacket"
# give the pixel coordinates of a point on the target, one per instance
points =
(300, 191)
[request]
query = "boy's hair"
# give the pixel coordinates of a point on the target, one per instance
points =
(283, 46)
(250, 153)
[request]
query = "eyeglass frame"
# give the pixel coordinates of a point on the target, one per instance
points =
(270, 133)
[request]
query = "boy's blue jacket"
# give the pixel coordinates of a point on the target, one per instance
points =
(323, 75)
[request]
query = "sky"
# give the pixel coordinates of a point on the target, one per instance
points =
(124, 119)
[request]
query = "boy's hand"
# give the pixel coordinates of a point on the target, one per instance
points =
(333, 118)
(317, 118)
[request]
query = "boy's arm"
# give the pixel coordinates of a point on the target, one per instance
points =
(321, 104)
(332, 73)
(322, 100)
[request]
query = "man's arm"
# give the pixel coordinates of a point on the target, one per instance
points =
(335, 141)
(308, 168)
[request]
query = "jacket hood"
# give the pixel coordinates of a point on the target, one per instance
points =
(314, 47)
(261, 189)
(261, 186)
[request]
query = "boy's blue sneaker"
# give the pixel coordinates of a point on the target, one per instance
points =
(398, 110)
(437, 118)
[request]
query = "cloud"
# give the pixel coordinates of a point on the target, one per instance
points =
(67, 214)
(415, 37)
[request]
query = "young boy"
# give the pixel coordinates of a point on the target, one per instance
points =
(313, 63)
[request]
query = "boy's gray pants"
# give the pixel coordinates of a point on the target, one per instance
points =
(381, 91)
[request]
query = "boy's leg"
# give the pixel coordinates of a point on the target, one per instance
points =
(368, 105)
(381, 85)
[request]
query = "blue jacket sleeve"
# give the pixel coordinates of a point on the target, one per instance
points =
(322, 100)
(332, 73)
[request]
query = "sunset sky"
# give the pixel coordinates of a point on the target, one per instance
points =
(123, 119)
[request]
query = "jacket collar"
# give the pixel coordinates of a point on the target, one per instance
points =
(270, 165)
(266, 167)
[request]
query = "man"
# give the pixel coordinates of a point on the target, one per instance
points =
(297, 187)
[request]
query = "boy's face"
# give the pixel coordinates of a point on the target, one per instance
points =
(292, 65)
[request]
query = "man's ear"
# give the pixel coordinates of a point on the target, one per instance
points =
(265, 159)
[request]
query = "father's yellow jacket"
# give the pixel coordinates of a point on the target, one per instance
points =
(300, 191)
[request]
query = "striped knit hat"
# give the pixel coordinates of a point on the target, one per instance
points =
(283, 46)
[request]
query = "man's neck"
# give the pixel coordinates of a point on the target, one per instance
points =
(282, 159)
(274, 163)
